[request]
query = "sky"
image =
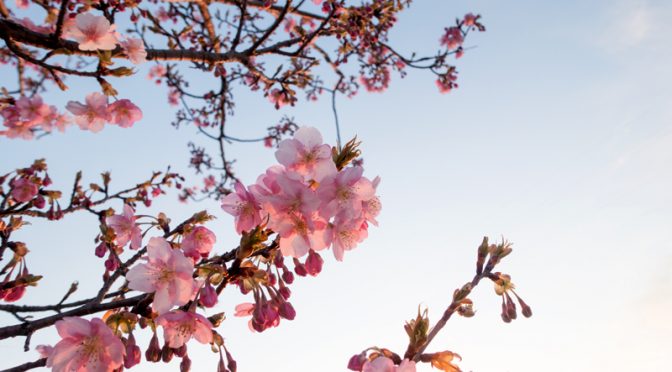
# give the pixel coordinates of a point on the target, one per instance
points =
(559, 138)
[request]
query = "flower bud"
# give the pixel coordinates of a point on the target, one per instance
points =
(101, 249)
(132, 353)
(185, 364)
(153, 353)
(39, 202)
(314, 263)
(166, 353)
(288, 277)
(286, 310)
(356, 362)
(300, 269)
(285, 292)
(181, 351)
(208, 296)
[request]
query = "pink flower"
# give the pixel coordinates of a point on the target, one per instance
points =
(306, 155)
(167, 273)
(344, 192)
(244, 207)
(344, 235)
(208, 297)
(293, 196)
(32, 110)
(135, 50)
(180, 326)
(452, 39)
(297, 237)
(406, 366)
(93, 32)
(124, 113)
(198, 243)
(85, 346)
(125, 229)
(23, 190)
(92, 115)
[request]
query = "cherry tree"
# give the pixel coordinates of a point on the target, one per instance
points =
(159, 275)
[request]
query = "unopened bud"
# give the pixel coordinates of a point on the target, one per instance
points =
(356, 362)
(153, 353)
(287, 311)
(185, 364)
(181, 351)
(166, 353)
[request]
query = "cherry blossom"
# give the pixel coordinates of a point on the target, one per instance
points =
(93, 32)
(344, 235)
(167, 274)
(452, 38)
(344, 193)
(124, 113)
(198, 243)
(125, 229)
(181, 326)
(306, 154)
(92, 115)
(85, 346)
(297, 237)
(135, 50)
(243, 205)
(23, 190)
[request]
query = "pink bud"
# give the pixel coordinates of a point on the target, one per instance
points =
(287, 311)
(153, 353)
(185, 365)
(288, 277)
(14, 294)
(285, 292)
(300, 270)
(208, 296)
(356, 362)
(101, 249)
(132, 353)
(39, 202)
(111, 263)
(314, 263)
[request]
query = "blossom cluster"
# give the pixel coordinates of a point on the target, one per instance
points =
(29, 114)
(307, 200)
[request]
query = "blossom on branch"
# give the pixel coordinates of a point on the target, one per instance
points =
(93, 32)
(85, 346)
(167, 274)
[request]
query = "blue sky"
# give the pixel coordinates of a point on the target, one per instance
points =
(559, 138)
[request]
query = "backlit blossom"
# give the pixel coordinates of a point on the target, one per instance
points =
(167, 274)
(244, 207)
(125, 228)
(306, 154)
(92, 115)
(23, 190)
(344, 193)
(85, 346)
(180, 326)
(93, 32)
(198, 242)
(124, 113)
(344, 235)
(135, 50)
(299, 234)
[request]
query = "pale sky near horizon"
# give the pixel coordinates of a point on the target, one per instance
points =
(559, 138)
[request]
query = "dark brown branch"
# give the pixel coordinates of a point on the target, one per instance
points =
(27, 366)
